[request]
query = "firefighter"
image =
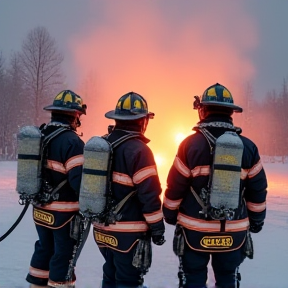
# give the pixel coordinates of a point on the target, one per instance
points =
(57, 203)
(202, 230)
(126, 242)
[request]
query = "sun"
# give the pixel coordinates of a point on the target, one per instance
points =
(179, 137)
(159, 160)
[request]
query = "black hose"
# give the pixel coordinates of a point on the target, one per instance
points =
(17, 221)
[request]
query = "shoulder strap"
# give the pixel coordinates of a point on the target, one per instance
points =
(122, 139)
(123, 201)
(49, 137)
(113, 210)
(44, 142)
(211, 139)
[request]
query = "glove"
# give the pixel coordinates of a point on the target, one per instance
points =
(158, 236)
(256, 227)
(158, 239)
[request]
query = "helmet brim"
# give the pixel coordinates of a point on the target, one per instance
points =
(235, 108)
(62, 109)
(112, 115)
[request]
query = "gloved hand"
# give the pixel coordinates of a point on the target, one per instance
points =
(157, 231)
(158, 239)
(256, 227)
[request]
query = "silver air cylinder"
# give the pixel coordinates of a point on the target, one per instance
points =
(29, 160)
(92, 199)
(225, 189)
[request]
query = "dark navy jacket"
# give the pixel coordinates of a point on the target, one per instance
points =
(133, 169)
(191, 167)
(64, 160)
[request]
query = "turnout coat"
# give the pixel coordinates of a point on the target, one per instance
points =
(192, 167)
(63, 161)
(133, 169)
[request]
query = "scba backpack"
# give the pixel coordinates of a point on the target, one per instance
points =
(32, 143)
(96, 196)
(222, 198)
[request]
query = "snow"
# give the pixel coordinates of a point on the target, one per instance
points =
(267, 270)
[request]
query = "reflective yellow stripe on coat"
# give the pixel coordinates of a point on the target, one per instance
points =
(65, 168)
(131, 226)
(61, 206)
(200, 225)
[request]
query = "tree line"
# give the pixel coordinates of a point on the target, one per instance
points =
(266, 121)
(33, 75)
(27, 82)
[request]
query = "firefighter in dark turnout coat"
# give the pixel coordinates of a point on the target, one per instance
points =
(226, 240)
(133, 169)
(57, 204)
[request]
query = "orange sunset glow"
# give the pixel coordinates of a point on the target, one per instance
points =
(136, 48)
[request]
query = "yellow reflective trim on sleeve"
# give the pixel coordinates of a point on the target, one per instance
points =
(56, 166)
(256, 207)
(154, 217)
(255, 169)
(200, 171)
(144, 173)
(74, 161)
(123, 179)
(181, 168)
(171, 204)
(244, 173)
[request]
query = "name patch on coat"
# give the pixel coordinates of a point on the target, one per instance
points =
(43, 217)
(216, 242)
(106, 239)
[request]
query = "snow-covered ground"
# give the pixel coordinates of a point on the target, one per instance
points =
(267, 270)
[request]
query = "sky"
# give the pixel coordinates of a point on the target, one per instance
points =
(165, 50)
(268, 269)
(203, 41)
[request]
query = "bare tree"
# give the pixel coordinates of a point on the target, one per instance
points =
(41, 68)
(3, 101)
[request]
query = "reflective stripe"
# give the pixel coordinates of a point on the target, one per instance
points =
(256, 207)
(251, 172)
(171, 204)
(181, 168)
(244, 173)
(38, 272)
(200, 171)
(154, 217)
(73, 162)
(61, 206)
(144, 173)
(122, 179)
(70, 163)
(213, 225)
(60, 284)
(255, 169)
(56, 166)
(135, 226)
